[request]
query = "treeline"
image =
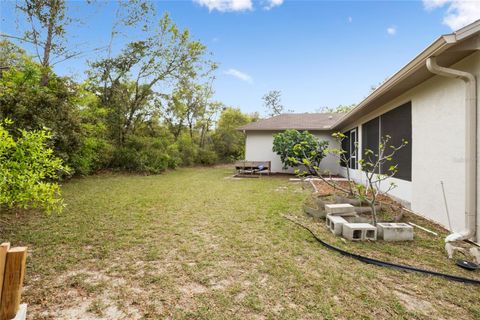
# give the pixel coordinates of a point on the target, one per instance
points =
(148, 108)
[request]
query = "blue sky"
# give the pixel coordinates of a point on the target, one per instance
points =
(317, 53)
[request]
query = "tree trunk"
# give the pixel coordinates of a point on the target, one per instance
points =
(48, 43)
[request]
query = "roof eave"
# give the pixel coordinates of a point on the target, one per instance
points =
(437, 47)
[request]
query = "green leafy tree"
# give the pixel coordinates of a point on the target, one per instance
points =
(10, 55)
(187, 107)
(33, 106)
(297, 148)
(229, 143)
(130, 84)
(95, 151)
(27, 168)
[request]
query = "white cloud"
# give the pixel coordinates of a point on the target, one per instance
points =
(459, 13)
(272, 3)
(239, 75)
(392, 31)
(226, 5)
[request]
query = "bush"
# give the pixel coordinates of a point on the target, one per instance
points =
(206, 157)
(188, 150)
(32, 106)
(229, 143)
(145, 154)
(94, 154)
(299, 148)
(27, 167)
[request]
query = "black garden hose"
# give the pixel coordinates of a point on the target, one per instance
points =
(386, 264)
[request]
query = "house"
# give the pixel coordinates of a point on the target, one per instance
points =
(259, 136)
(432, 102)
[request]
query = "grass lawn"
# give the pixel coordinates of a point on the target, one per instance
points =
(196, 244)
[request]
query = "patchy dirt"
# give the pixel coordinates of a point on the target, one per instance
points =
(415, 304)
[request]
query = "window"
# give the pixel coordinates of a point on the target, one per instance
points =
(353, 148)
(349, 145)
(396, 123)
(370, 140)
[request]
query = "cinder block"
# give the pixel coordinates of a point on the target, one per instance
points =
(359, 231)
(340, 209)
(335, 223)
(395, 231)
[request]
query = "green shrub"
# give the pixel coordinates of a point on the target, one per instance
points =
(206, 157)
(297, 148)
(94, 154)
(33, 106)
(27, 168)
(229, 143)
(187, 149)
(145, 154)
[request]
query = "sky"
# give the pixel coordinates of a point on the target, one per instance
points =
(317, 53)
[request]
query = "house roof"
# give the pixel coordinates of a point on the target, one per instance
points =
(448, 49)
(299, 121)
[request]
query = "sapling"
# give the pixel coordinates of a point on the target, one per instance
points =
(343, 158)
(373, 170)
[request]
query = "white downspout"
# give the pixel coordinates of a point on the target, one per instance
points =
(470, 147)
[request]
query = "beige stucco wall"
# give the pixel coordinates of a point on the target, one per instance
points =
(258, 147)
(438, 147)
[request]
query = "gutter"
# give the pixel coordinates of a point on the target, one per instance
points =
(470, 146)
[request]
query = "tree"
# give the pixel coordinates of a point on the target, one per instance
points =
(10, 55)
(47, 31)
(373, 165)
(33, 106)
(300, 148)
(229, 143)
(343, 158)
(187, 107)
(27, 168)
(272, 102)
(131, 81)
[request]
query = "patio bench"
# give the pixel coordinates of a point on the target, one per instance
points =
(244, 167)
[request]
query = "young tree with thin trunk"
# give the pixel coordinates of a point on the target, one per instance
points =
(377, 169)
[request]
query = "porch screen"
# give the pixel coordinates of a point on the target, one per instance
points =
(370, 140)
(397, 123)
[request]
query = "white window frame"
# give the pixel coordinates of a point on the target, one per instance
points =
(353, 148)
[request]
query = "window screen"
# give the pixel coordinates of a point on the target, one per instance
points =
(348, 145)
(370, 140)
(398, 124)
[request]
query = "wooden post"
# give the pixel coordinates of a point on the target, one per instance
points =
(13, 282)
(4, 247)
